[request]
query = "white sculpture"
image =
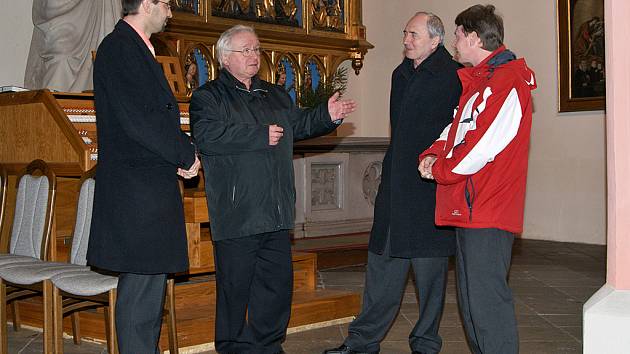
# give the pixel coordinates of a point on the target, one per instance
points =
(65, 34)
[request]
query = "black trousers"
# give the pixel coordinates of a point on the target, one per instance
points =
(139, 309)
(484, 296)
(385, 282)
(254, 290)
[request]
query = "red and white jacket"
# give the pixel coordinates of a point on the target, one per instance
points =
(481, 166)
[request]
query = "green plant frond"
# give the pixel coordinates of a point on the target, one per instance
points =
(309, 98)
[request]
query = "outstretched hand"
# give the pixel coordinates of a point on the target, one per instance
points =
(340, 109)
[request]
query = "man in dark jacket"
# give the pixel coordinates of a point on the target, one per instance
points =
(424, 92)
(244, 128)
(138, 219)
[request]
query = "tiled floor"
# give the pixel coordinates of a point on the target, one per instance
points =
(551, 281)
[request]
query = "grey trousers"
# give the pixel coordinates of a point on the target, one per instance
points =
(484, 296)
(139, 308)
(385, 282)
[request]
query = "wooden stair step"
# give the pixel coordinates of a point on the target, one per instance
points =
(195, 306)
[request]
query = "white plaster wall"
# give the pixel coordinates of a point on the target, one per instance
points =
(566, 182)
(16, 26)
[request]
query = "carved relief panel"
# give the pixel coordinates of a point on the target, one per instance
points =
(279, 12)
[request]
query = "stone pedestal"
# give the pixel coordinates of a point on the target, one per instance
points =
(606, 322)
(336, 180)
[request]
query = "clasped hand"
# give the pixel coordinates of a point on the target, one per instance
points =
(275, 133)
(192, 171)
(426, 166)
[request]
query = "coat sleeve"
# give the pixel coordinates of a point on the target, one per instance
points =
(438, 146)
(122, 78)
(214, 135)
(453, 90)
(483, 132)
(311, 122)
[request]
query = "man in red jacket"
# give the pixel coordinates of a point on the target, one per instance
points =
(480, 165)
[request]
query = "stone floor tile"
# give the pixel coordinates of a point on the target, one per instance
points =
(573, 331)
(399, 331)
(451, 334)
(541, 334)
(454, 347)
(580, 293)
(564, 320)
(395, 347)
(550, 347)
(532, 321)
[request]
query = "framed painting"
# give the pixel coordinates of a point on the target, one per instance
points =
(581, 67)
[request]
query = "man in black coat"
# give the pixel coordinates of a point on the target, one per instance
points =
(138, 220)
(425, 90)
(244, 128)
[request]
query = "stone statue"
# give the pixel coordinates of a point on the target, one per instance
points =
(64, 35)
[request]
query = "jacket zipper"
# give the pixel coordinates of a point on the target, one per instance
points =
(470, 195)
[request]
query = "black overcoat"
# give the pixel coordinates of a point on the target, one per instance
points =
(138, 218)
(422, 101)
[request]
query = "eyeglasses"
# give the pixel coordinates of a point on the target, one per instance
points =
(167, 3)
(247, 52)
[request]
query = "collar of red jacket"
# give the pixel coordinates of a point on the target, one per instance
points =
(485, 69)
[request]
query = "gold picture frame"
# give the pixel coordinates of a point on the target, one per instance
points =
(581, 67)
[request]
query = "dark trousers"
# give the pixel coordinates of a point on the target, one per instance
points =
(385, 282)
(139, 309)
(254, 289)
(484, 296)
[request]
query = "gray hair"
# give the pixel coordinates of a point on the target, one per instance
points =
(435, 27)
(224, 42)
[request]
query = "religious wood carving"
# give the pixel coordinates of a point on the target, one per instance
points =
(297, 36)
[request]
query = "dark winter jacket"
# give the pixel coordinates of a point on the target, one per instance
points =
(250, 184)
(422, 101)
(138, 217)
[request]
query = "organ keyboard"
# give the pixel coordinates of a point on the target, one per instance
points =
(57, 127)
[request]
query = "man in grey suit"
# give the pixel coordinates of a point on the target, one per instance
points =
(138, 219)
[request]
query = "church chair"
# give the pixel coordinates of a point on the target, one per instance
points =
(30, 238)
(74, 291)
(4, 183)
(32, 220)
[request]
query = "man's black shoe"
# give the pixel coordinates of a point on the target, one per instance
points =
(344, 349)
